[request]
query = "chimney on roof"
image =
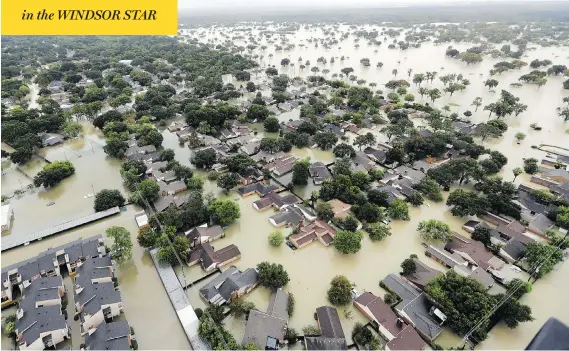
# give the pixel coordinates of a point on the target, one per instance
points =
(399, 322)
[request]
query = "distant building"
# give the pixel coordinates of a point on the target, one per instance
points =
(7, 216)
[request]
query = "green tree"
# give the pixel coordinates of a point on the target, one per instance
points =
(521, 286)
(324, 211)
(147, 191)
(72, 129)
(409, 266)
(562, 217)
(378, 231)
(483, 235)
(238, 163)
(272, 275)
(216, 313)
(344, 150)
(300, 172)
(340, 292)
(415, 199)
(147, 237)
(430, 189)
(466, 203)
(531, 166)
(348, 242)
(166, 256)
(122, 243)
(290, 305)
(227, 181)
(181, 246)
(398, 209)
(54, 173)
(108, 198)
(541, 258)
(204, 158)
(512, 312)
(271, 124)
(517, 171)
(224, 212)
(325, 140)
(434, 230)
(276, 238)
(258, 113)
(240, 307)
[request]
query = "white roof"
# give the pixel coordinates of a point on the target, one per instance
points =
(141, 220)
(5, 214)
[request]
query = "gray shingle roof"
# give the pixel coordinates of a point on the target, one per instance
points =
(40, 320)
(109, 336)
(94, 296)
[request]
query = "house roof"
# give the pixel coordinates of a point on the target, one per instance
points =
(229, 281)
(289, 215)
(329, 322)
(339, 207)
(556, 173)
(379, 155)
(418, 310)
(381, 312)
(514, 248)
(422, 275)
(403, 289)
(109, 336)
(319, 170)
(540, 223)
(94, 296)
(407, 339)
(38, 321)
(473, 250)
(260, 188)
(261, 326)
(203, 231)
(320, 343)
(449, 259)
(278, 304)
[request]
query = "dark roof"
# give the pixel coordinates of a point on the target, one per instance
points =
(382, 312)
(259, 188)
(198, 232)
(329, 322)
(528, 202)
(320, 343)
(418, 310)
(422, 275)
(93, 296)
(514, 248)
(278, 304)
(403, 289)
(40, 320)
(288, 215)
(229, 281)
(109, 336)
(262, 327)
(407, 339)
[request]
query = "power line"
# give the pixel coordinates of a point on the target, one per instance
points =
(514, 289)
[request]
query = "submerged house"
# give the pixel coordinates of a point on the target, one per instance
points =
(230, 285)
(398, 334)
(474, 252)
(319, 172)
(317, 230)
(422, 276)
(40, 323)
(109, 336)
(415, 308)
(204, 234)
(267, 330)
(210, 259)
(332, 335)
(275, 201)
(260, 189)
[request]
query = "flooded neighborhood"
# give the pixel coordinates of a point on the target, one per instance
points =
(288, 184)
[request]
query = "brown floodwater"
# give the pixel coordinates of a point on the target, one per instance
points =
(376, 260)
(146, 305)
